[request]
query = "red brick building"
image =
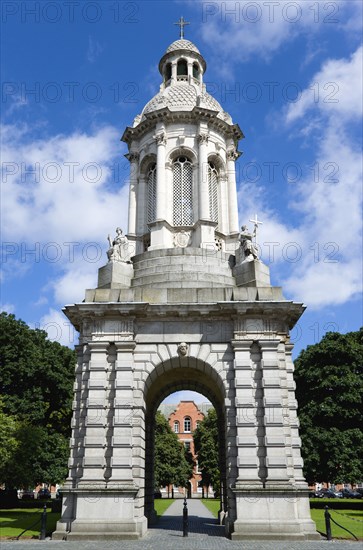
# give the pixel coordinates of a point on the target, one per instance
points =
(183, 420)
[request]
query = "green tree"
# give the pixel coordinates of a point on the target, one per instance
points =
(206, 443)
(36, 380)
(171, 466)
(329, 388)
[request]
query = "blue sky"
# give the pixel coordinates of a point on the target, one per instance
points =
(76, 74)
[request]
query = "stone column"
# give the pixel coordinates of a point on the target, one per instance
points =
(203, 194)
(297, 462)
(160, 175)
(134, 168)
(95, 406)
(232, 156)
(173, 72)
(274, 390)
(246, 415)
(121, 463)
(223, 222)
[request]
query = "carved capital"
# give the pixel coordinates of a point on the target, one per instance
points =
(232, 154)
(133, 157)
(203, 138)
(161, 138)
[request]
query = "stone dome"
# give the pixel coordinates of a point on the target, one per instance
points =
(184, 97)
(182, 45)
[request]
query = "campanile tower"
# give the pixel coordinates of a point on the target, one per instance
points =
(184, 302)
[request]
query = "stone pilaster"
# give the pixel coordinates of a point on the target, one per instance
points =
(160, 138)
(246, 414)
(94, 408)
(274, 394)
(121, 462)
(203, 175)
(232, 156)
(134, 169)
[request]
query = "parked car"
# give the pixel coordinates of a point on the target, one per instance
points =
(327, 493)
(43, 493)
(349, 493)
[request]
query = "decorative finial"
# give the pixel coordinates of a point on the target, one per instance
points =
(182, 24)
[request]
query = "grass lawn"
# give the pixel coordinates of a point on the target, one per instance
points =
(213, 505)
(13, 522)
(355, 527)
(162, 504)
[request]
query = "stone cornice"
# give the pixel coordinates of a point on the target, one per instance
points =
(194, 116)
(224, 311)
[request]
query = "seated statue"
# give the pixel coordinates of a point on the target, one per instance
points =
(119, 248)
(248, 247)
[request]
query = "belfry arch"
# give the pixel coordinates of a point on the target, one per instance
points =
(177, 374)
(184, 302)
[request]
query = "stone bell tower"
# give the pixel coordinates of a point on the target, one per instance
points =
(184, 274)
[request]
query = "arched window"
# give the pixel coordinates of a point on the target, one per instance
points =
(182, 191)
(176, 426)
(187, 424)
(196, 71)
(213, 191)
(182, 68)
(151, 193)
(168, 72)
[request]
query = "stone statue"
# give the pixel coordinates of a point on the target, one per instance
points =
(119, 248)
(248, 247)
(183, 349)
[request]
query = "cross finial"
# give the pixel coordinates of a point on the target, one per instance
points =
(182, 24)
(256, 223)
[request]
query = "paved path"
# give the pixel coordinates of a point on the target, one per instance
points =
(204, 534)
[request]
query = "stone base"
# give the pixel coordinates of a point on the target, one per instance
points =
(115, 275)
(99, 514)
(253, 273)
(285, 513)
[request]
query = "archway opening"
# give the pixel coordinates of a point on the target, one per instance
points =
(173, 377)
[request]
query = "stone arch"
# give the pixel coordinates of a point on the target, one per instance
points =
(176, 374)
(146, 162)
(217, 160)
(183, 151)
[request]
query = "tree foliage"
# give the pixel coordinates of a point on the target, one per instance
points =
(206, 443)
(329, 388)
(36, 380)
(171, 466)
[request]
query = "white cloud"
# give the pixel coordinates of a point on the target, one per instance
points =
(58, 328)
(240, 30)
(65, 221)
(73, 193)
(335, 90)
(94, 50)
(8, 308)
(318, 260)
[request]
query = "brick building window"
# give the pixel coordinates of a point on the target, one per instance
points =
(176, 427)
(187, 424)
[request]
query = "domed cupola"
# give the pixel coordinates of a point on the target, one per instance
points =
(182, 149)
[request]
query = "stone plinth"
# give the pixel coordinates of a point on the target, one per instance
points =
(253, 273)
(115, 275)
(273, 514)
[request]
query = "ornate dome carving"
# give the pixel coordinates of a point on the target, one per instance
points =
(182, 45)
(184, 97)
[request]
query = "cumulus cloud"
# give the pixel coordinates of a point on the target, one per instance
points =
(317, 258)
(336, 90)
(62, 196)
(58, 328)
(241, 30)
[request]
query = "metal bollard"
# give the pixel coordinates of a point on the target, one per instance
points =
(185, 518)
(43, 523)
(327, 523)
